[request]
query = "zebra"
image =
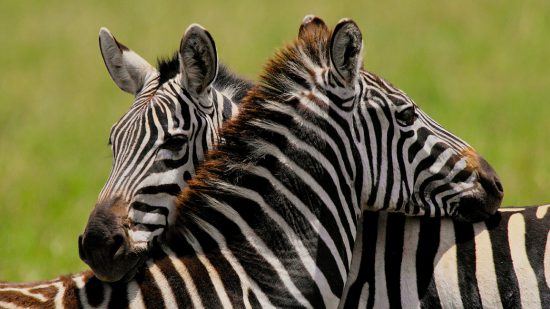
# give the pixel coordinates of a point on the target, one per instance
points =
(67, 284)
(404, 300)
(421, 148)
(503, 262)
(276, 205)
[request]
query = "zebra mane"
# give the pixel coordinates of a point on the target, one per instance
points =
(292, 68)
(288, 70)
(226, 81)
(231, 84)
(168, 68)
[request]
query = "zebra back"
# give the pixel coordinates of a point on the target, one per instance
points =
(437, 262)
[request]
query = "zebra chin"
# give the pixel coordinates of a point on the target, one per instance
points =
(472, 209)
(116, 269)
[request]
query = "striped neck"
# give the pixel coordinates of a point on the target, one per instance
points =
(275, 198)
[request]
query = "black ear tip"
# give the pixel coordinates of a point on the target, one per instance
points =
(349, 28)
(347, 23)
(346, 20)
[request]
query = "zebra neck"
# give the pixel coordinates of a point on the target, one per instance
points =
(272, 200)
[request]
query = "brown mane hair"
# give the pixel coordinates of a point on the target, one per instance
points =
(286, 71)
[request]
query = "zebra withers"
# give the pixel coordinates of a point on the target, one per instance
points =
(277, 195)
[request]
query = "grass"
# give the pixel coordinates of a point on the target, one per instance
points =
(480, 68)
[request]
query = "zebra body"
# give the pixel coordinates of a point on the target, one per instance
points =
(503, 262)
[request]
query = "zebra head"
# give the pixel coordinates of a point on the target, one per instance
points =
(174, 119)
(410, 163)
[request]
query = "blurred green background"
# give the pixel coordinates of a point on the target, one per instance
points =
(481, 68)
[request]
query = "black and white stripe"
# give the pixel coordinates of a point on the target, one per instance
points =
(158, 143)
(407, 262)
(503, 262)
(417, 168)
(430, 155)
(271, 217)
(147, 170)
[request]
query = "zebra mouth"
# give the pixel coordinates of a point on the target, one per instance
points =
(122, 268)
(108, 245)
(132, 262)
(140, 255)
(133, 270)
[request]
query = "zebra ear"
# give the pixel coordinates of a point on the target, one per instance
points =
(198, 59)
(126, 68)
(346, 45)
(309, 24)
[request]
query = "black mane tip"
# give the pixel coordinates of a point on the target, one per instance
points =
(168, 68)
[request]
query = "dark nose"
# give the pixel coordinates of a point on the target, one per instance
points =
(105, 243)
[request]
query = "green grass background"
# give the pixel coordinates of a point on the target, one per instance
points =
(480, 68)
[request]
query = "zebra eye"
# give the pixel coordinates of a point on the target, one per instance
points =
(175, 143)
(406, 117)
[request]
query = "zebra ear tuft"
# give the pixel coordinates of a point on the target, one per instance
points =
(346, 45)
(309, 24)
(198, 59)
(127, 69)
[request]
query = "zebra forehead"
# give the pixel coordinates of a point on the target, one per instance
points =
(378, 84)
